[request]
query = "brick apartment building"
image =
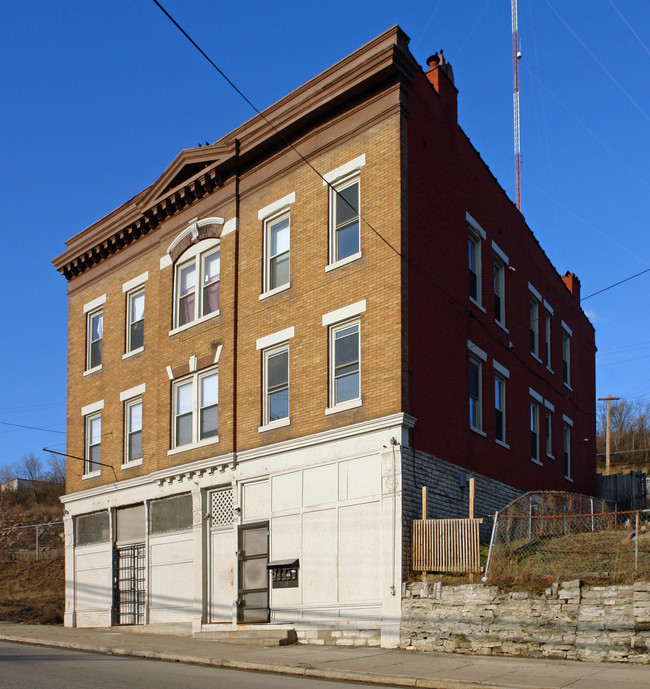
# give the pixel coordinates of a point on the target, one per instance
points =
(266, 362)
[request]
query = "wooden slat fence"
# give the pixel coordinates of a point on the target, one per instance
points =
(446, 545)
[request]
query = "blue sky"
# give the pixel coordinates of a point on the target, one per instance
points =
(98, 98)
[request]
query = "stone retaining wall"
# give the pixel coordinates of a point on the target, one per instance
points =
(602, 623)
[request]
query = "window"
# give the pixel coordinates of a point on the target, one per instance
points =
(276, 385)
(344, 220)
(345, 356)
(277, 242)
(534, 430)
(567, 450)
(566, 357)
(499, 291)
(534, 326)
(197, 284)
(135, 320)
(547, 332)
(475, 397)
(171, 514)
(133, 430)
(500, 407)
(94, 339)
(196, 409)
(91, 528)
(93, 444)
(549, 433)
(475, 268)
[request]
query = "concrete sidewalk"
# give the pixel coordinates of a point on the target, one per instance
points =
(370, 665)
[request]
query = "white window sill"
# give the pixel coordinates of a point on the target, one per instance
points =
(342, 262)
(198, 321)
(503, 327)
(90, 371)
(133, 352)
(568, 478)
(191, 446)
(274, 291)
(274, 424)
(477, 304)
(92, 474)
(500, 442)
(344, 406)
(550, 370)
(568, 387)
(536, 357)
(536, 461)
(478, 431)
(132, 463)
(550, 456)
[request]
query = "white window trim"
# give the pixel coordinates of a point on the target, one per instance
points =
(93, 370)
(94, 413)
(549, 405)
(501, 369)
(567, 420)
(344, 313)
(536, 396)
(135, 282)
(476, 238)
(191, 324)
(95, 304)
(549, 409)
(274, 338)
(500, 253)
(566, 329)
(277, 207)
(271, 349)
(502, 260)
(136, 391)
(535, 293)
(268, 222)
(133, 352)
(196, 391)
(333, 328)
(349, 168)
(476, 351)
(343, 181)
(137, 289)
(548, 307)
(129, 401)
(89, 316)
(92, 408)
(475, 226)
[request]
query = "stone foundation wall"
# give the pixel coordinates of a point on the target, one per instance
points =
(342, 637)
(602, 623)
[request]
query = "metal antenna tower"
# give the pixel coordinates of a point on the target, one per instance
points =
(516, 56)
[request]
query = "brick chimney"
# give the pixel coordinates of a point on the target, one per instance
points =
(441, 76)
(573, 284)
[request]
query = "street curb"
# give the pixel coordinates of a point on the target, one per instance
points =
(292, 670)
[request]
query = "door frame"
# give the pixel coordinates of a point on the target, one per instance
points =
(241, 559)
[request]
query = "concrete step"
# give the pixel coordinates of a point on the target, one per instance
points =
(251, 637)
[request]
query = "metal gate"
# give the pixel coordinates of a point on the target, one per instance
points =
(129, 572)
(253, 600)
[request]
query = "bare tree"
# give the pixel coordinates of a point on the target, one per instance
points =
(56, 472)
(629, 434)
(31, 467)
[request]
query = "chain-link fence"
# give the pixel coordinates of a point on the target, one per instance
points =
(31, 542)
(545, 537)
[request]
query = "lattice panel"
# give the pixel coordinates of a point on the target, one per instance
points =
(221, 511)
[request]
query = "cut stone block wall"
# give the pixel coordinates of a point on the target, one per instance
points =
(597, 623)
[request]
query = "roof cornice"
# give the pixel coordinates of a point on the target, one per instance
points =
(196, 172)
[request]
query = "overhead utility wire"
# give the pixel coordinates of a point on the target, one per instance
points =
(600, 64)
(616, 284)
(629, 26)
(31, 428)
(302, 157)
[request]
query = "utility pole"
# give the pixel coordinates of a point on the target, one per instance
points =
(609, 399)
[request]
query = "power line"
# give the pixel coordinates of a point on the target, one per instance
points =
(616, 284)
(31, 428)
(629, 26)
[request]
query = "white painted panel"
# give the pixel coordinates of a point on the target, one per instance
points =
(255, 498)
(170, 586)
(166, 550)
(95, 559)
(364, 477)
(94, 589)
(286, 491)
(360, 552)
(285, 545)
(318, 566)
(320, 485)
(222, 575)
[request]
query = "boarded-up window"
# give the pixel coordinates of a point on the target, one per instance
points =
(91, 528)
(171, 514)
(130, 524)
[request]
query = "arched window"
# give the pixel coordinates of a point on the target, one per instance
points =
(197, 275)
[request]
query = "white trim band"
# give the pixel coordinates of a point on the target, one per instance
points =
(133, 392)
(475, 226)
(535, 395)
(500, 253)
(477, 351)
(567, 420)
(95, 303)
(135, 282)
(92, 408)
(501, 369)
(277, 206)
(566, 329)
(344, 170)
(535, 293)
(274, 338)
(344, 313)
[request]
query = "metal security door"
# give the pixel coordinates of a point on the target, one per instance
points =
(253, 600)
(129, 584)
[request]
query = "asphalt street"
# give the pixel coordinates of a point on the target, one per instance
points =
(38, 667)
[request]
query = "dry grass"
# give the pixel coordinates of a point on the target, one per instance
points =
(32, 592)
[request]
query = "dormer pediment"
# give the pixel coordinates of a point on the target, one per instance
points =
(188, 164)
